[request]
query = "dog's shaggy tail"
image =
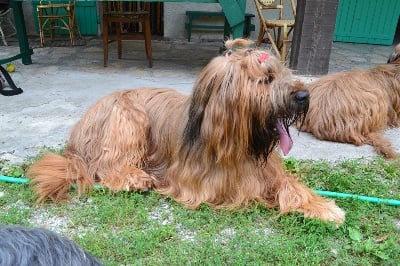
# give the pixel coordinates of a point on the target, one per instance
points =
(53, 175)
(381, 145)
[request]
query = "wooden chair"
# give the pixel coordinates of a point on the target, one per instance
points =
(57, 15)
(118, 17)
(279, 27)
(6, 20)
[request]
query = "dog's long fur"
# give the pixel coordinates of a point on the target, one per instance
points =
(217, 146)
(35, 246)
(357, 106)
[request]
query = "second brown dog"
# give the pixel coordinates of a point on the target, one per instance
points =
(357, 106)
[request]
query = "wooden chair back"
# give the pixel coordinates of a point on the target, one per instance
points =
(275, 25)
(56, 15)
(123, 20)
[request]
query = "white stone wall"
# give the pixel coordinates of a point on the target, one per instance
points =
(174, 20)
(28, 16)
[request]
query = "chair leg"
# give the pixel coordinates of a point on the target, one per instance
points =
(260, 37)
(51, 29)
(274, 46)
(119, 40)
(3, 37)
(71, 26)
(75, 26)
(71, 34)
(12, 25)
(278, 39)
(40, 24)
(105, 42)
(284, 41)
(147, 41)
(189, 29)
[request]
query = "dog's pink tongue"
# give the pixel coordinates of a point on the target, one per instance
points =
(285, 141)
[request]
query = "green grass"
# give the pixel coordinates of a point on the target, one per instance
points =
(147, 229)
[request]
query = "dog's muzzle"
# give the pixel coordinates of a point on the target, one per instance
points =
(302, 95)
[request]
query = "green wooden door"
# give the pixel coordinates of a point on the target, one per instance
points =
(367, 21)
(86, 16)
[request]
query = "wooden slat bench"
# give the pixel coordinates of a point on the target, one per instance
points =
(192, 16)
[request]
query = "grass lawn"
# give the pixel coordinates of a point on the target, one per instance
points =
(147, 229)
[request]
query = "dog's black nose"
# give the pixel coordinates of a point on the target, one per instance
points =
(302, 95)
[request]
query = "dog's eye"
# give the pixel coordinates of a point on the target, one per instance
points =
(248, 51)
(268, 79)
(227, 52)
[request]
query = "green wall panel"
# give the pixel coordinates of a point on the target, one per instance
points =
(87, 17)
(367, 21)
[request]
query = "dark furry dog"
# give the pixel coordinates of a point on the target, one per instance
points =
(217, 146)
(357, 106)
(20, 246)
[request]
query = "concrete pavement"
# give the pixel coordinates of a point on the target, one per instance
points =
(64, 81)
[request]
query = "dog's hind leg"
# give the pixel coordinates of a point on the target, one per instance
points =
(382, 145)
(121, 149)
(108, 146)
(111, 138)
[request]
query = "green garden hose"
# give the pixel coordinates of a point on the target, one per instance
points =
(331, 194)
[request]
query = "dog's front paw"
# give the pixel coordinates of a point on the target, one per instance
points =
(327, 212)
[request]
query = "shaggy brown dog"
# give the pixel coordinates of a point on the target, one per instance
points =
(357, 106)
(216, 146)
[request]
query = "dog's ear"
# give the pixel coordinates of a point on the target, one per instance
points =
(197, 108)
(394, 57)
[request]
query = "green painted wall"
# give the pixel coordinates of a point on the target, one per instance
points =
(367, 21)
